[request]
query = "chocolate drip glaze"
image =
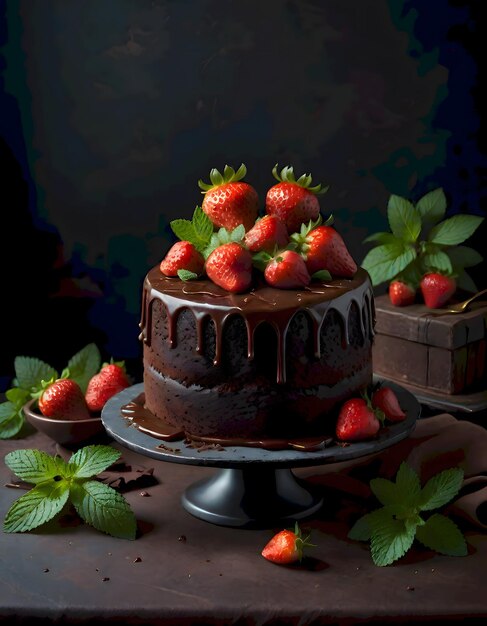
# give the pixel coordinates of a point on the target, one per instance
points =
(263, 304)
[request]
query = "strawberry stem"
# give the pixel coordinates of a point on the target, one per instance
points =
(287, 176)
(229, 176)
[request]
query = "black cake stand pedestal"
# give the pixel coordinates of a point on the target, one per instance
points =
(253, 487)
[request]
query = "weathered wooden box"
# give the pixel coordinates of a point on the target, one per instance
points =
(445, 353)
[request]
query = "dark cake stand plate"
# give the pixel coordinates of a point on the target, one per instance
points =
(254, 487)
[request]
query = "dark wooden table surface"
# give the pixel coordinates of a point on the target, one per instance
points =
(183, 570)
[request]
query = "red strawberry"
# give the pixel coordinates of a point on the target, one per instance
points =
(229, 202)
(267, 233)
(401, 294)
(287, 271)
(230, 267)
(386, 400)
(324, 249)
(437, 289)
(356, 421)
(111, 379)
(293, 201)
(286, 546)
(182, 256)
(64, 400)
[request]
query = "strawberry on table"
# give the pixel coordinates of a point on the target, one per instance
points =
(228, 201)
(266, 234)
(182, 256)
(286, 546)
(386, 401)
(111, 379)
(323, 248)
(437, 289)
(357, 421)
(287, 270)
(230, 266)
(401, 294)
(293, 201)
(63, 399)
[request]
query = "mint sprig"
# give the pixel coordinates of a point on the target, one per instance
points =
(197, 231)
(84, 364)
(422, 241)
(31, 377)
(393, 528)
(58, 483)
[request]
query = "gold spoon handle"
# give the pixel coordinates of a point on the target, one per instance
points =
(474, 297)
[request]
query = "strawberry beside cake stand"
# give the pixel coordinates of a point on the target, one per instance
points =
(253, 487)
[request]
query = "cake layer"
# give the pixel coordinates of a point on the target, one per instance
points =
(268, 362)
(251, 410)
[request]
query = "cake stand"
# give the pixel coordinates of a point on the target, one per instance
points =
(253, 487)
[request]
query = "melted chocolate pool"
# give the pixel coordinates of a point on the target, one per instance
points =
(138, 414)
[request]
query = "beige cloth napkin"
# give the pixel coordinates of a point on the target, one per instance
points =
(436, 444)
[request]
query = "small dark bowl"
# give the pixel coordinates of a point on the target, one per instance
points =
(65, 432)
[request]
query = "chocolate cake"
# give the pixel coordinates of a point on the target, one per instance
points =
(267, 363)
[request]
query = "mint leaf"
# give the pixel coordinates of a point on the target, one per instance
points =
(363, 528)
(382, 238)
(385, 491)
(36, 507)
(321, 275)
(187, 275)
(408, 485)
(11, 420)
(411, 274)
(432, 206)
(438, 261)
(440, 489)
(91, 460)
(30, 372)
(198, 231)
(455, 229)
(183, 229)
(464, 256)
(102, 507)
(84, 364)
(202, 227)
(464, 281)
(404, 220)
(442, 535)
(384, 262)
(17, 396)
(360, 531)
(391, 539)
(34, 466)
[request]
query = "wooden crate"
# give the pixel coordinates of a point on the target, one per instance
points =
(442, 353)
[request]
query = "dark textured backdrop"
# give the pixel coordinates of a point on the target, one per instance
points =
(112, 109)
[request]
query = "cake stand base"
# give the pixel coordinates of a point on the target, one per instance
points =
(250, 498)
